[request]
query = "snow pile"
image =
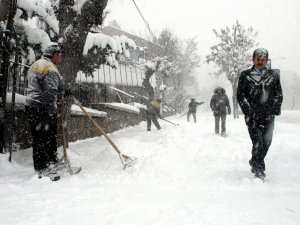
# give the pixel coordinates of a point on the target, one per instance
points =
(139, 105)
(93, 112)
(122, 106)
(184, 175)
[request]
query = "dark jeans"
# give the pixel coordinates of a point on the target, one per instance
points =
(223, 124)
(261, 133)
(44, 137)
(194, 116)
(152, 117)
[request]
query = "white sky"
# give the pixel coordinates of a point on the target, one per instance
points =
(277, 22)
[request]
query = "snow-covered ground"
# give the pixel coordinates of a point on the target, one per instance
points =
(184, 175)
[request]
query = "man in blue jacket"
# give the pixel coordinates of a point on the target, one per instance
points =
(45, 86)
(153, 112)
(259, 95)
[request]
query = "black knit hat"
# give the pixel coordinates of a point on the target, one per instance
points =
(52, 49)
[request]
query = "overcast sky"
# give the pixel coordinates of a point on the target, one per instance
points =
(277, 21)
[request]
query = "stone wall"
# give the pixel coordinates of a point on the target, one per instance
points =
(80, 126)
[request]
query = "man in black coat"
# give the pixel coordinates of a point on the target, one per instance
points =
(259, 95)
(219, 104)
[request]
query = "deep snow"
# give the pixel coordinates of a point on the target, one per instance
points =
(184, 175)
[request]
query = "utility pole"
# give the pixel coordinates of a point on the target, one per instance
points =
(4, 69)
(146, 23)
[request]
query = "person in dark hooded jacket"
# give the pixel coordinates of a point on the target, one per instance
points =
(219, 104)
(45, 86)
(259, 95)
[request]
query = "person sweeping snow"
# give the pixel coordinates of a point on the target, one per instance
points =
(153, 112)
(45, 86)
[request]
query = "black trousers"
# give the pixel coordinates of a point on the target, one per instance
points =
(261, 133)
(44, 137)
(194, 116)
(223, 124)
(152, 117)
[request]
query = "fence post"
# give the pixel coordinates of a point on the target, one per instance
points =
(5, 45)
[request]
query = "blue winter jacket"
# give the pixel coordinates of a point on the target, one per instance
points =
(154, 108)
(45, 85)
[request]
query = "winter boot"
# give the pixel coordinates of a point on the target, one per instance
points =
(260, 175)
(50, 172)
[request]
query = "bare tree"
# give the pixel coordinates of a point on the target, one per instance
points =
(185, 60)
(232, 55)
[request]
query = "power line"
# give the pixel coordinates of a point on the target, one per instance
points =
(146, 23)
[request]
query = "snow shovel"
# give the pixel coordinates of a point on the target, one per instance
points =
(125, 160)
(65, 158)
(182, 115)
(169, 122)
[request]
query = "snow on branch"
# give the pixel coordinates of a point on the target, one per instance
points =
(99, 40)
(78, 5)
(36, 36)
(41, 8)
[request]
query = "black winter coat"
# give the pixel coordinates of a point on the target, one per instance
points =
(193, 106)
(259, 96)
(219, 103)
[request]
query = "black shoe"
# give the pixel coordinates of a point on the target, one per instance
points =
(260, 175)
(49, 172)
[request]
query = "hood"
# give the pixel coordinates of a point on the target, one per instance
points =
(218, 89)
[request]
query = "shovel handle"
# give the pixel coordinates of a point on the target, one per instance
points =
(99, 129)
